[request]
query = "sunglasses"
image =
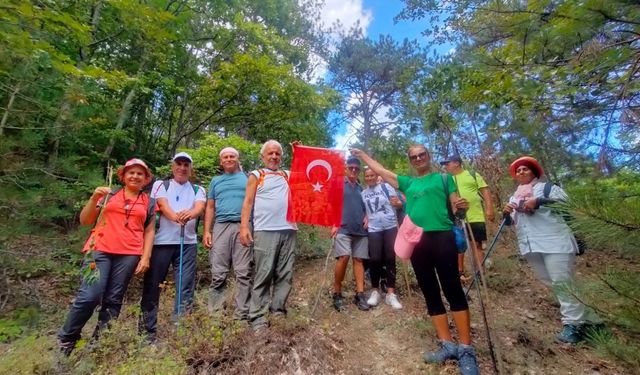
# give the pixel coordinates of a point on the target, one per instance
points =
(420, 156)
(355, 169)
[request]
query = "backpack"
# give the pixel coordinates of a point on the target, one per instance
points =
(263, 174)
(566, 216)
(399, 211)
(166, 183)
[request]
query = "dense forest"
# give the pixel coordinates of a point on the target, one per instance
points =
(88, 84)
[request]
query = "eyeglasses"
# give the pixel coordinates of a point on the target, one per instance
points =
(420, 156)
(354, 169)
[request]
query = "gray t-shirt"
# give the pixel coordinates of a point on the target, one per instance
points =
(353, 210)
(380, 212)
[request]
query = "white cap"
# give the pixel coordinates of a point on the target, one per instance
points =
(182, 155)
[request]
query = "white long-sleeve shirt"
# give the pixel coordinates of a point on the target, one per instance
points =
(543, 231)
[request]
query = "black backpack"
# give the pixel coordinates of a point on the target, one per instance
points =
(150, 208)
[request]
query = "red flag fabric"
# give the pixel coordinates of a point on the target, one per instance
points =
(316, 184)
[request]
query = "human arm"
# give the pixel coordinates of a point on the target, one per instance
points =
(147, 246)
(394, 199)
(381, 171)
(247, 206)
(90, 211)
(488, 203)
(209, 214)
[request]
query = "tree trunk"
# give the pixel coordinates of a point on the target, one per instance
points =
(5, 116)
(122, 118)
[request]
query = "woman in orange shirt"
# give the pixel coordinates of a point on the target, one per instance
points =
(120, 246)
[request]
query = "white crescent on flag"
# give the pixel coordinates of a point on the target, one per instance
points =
(319, 163)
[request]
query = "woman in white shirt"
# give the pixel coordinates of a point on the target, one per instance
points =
(548, 244)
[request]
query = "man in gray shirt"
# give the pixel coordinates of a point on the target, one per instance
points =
(351, 238)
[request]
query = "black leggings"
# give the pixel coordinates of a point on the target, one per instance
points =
(436, 253)
(382, 255)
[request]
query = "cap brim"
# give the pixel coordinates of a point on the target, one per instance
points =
(444, 162)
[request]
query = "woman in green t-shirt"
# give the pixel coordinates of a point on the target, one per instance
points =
(434, 258)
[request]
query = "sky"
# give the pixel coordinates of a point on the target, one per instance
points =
(375, 18)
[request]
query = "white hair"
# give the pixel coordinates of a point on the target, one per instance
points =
(268, 143)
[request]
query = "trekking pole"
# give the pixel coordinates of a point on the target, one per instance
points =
(478, 272)
(324, 278)
(180, 272)
(488, 253)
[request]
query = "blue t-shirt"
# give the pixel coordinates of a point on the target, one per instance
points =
(353, 210)
(228, 192)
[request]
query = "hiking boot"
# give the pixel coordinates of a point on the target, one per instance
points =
(571, 334)
(392, 300)
(448, 350)
(338, 302)
(66, 347)
(361, 302)
(374, 298)
(467, 361)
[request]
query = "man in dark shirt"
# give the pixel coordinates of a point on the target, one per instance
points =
(351, 238)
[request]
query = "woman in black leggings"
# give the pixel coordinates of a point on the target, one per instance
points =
(381, 201)
(435, 253)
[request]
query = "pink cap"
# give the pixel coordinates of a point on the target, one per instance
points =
(408, 237)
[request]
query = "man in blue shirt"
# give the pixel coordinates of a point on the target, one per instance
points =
(226, 194)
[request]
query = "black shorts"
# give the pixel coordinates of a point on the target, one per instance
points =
(479, 231)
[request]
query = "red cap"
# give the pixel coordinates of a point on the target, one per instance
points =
(529, 162)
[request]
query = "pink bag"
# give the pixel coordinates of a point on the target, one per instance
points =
(408, 237)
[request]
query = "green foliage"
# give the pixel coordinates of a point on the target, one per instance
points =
(20, 321)
(29, 355)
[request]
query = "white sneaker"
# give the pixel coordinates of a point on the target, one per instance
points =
(392, 300)
(374, 299)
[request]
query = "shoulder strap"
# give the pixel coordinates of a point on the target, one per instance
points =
(150, 210)
(385, 190)
(445, 185)
(547, 189)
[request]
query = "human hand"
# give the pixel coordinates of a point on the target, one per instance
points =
(461, 204)
(530, 205)
(246, 239)
(334, 231)
(100, 192)
(184, 216)
(143, 266)
(395, 202)
(491, 216)
(508, 208)
(207, 240)
(356, 152)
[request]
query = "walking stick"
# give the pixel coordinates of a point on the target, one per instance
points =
(180, 272)
(405, 271)
(468, 235)
(324, 278)
(487, 254)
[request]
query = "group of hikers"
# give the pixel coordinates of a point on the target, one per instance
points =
(246, 228)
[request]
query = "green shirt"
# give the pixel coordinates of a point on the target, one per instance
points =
(426, 200)
(469, 189)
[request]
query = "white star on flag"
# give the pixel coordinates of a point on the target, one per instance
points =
(317, 186)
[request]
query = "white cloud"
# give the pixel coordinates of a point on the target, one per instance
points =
(347, 12)
(339, 16)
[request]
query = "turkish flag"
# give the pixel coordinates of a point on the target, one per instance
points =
(316, 184)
